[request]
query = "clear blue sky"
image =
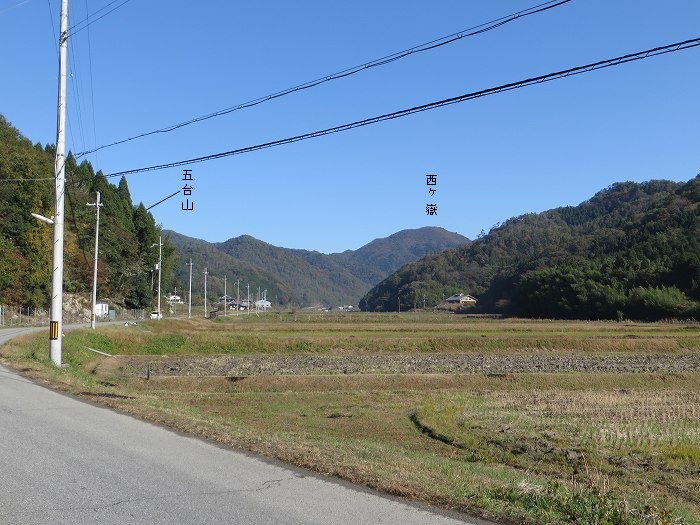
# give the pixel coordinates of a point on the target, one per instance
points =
(159, 63)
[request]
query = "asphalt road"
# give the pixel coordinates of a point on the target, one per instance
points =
(64, 461)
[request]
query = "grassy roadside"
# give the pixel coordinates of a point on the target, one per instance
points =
(526, 448)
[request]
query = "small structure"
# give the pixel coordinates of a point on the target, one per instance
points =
(101, 310)
(173, 298)
(263, 304)
(461, 299)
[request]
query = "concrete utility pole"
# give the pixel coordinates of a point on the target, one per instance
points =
(56, 319)
(97, 206)
(248, 298)
(238, 297)
(189, 308)
(205, 292)
(225, 298)
(160, 269)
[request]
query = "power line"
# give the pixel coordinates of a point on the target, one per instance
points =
(163, 200)
(687, 44)
(74, 29)
(87, 15)
(76, 94)
(53, 28)
(18, 4)
(23, 180)
(92, 88)
(472, 31)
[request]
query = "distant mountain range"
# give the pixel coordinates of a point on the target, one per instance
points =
(632, 251)
(302, 277)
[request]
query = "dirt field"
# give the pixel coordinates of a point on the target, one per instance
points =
(244, 366)
(519, 421)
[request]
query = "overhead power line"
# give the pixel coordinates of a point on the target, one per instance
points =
(92, 86)
(687, 44)
(439, 42)
(85, 22)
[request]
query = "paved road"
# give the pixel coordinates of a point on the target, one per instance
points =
(63, 461)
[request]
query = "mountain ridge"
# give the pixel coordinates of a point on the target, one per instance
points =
(307, 277)
(630, 251)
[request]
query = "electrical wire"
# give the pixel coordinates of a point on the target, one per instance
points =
(92, 89)
(687, 44)
(76, 93)
(87, 15)
(23, 180)
(53, 28)
(433, 44)
(18, 4)
(74, 29)
(71, 206)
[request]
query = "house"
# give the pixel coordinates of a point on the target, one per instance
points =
(173, 298)
(262, 304)
(461, 298)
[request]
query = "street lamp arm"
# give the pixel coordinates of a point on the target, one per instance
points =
(42, 218)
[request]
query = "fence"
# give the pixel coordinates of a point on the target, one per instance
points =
(28, 316)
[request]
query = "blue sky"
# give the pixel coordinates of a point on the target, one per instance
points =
(155, 64)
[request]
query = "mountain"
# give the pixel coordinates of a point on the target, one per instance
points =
(127, 232)
(631, 251)
(303, 277)
(377, 259)
(128, 250)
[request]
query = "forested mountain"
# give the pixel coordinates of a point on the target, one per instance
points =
(632, 251)
(377, 259)
(302, 277)
(239, 273)
(127, 232)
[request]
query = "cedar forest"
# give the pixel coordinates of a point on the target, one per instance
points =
(127, 232)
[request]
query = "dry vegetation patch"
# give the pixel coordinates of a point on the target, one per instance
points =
(537, 422)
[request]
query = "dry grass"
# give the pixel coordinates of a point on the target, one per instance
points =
(507, 446)
(355, 334)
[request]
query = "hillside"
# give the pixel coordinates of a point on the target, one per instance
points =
(632, 251)
(303, 277)
(377, 259)
(127, 232)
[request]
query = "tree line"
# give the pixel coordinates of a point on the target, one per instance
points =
(630, 252)
(127, 232)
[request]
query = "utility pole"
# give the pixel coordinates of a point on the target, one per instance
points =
(97, 206)
(160, 268)
(205, 292)
(225, 298)
(189, 308)
(238, 296)
(248, 298)
(56, 320)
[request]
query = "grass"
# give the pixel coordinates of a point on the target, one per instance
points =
(588, 448)
(358, 333)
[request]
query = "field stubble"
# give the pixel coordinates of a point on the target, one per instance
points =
(561, 445)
